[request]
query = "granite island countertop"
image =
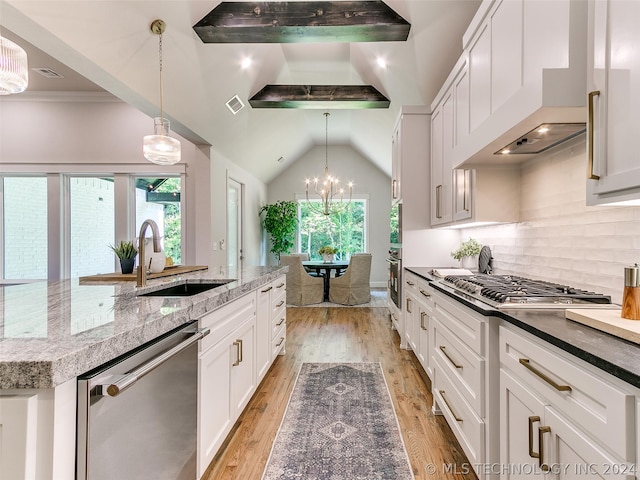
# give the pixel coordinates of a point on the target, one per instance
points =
(611, 354)
(53, 331)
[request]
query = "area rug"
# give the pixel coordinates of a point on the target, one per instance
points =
(378, 300)
(339, 425)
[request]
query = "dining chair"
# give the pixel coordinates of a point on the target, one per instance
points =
(304, 256)
(302, 288)
(352, 287)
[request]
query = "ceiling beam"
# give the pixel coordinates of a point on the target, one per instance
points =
(319, 96)
(300, 22)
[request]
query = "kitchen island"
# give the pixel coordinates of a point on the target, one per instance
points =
(53, 331)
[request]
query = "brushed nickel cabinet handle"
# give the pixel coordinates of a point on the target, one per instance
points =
(541, 431)
(532, 420)
(422, 316)
(590, 174)
(438, 190)
(527, 363)
(281, 322)
(467, 190)
(266, 290)
(280, 304)
(456, 417)
(238, 345)
(394, 188)
(410, 283)
(425, 293)
(444, 351)
(280, 343)
(409, 305)
(281, 285)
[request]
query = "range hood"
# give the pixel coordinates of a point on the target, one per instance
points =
(543, 137)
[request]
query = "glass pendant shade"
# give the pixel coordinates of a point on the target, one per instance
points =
(160, 148)
(13, 68)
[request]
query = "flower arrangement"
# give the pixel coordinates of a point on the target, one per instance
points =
(327, 250)
(124, 250)
(469, 248)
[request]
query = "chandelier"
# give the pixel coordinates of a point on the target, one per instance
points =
(160, 148)
(331, 194)
(13, 67)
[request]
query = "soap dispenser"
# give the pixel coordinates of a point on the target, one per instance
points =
(631, 294)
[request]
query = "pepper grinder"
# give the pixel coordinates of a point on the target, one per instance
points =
(631, 294)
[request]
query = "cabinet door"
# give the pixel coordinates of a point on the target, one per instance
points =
(396, 165)
(241, 354)
(480, 78)
(506, 52)
(410, 315)
(462, 194)
(214, 402)
(442, 134)
(614, 72)
(521, 414)
(422, 351)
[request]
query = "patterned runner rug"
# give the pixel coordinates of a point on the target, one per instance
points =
(339, 425)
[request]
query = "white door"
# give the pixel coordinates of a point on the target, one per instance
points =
(234, 223)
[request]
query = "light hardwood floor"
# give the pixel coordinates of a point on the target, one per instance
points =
(343, 335)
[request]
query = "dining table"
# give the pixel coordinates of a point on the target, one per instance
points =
(319, 265)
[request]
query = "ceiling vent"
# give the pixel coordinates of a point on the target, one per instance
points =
(235, 104)
(47, 72)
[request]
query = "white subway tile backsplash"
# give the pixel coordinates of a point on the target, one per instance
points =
(559, 238)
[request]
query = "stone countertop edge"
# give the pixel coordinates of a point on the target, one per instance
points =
(41, 363)
(616, 356)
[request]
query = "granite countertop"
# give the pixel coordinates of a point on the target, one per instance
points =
(53, 331)
(611, 354)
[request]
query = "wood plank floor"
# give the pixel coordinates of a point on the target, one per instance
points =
(343, 335)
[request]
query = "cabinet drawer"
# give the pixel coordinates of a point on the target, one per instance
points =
(279, 289)
(578, 390)
(278, 321)
(278, 341)
(465, 424)
(465, 369)
(226, 319)
(470, 330)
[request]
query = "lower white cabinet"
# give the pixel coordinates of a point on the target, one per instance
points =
(417, 317)
(559, 417)
(271, 316)
(226, 373)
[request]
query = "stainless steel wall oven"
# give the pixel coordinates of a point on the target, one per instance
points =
(395, 273)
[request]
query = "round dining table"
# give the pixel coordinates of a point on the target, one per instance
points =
(319, 266)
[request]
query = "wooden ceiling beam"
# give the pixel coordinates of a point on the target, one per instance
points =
(319, 96)
(300, 22)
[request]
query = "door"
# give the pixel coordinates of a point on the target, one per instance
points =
(234, 223)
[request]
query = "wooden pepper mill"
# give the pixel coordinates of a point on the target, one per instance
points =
(631, 294)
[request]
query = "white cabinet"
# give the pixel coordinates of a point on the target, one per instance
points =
(613, 79)
(417, 317)
(441, 174)
(522, 65)
(270, 320)
(465, 376)
(410, 166)
(561, 416)
(226, 373)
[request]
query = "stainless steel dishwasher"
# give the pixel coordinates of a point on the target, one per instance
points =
(137, 414)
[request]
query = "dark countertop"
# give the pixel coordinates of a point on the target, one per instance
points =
(611, 354)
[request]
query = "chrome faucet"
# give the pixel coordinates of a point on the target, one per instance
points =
(141, 273)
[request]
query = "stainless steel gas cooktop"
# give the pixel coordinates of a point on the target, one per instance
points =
(510, 291)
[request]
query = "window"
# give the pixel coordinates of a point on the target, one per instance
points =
(345, 231)
(158, 199)
(92, 225)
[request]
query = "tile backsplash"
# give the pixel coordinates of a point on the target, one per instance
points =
(558, 237)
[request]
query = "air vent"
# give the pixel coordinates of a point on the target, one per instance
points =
(235, 104)
(47, 72)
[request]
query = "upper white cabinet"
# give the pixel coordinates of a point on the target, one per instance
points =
(441, 174)
(522, 65)
(410, 166)
(614, 102)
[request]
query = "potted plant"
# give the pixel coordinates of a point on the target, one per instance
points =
(126, 252)
(281, 223)
(328, 253)
(467, 253)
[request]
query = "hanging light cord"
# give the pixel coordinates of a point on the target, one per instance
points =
(326, 143)
(161, 89)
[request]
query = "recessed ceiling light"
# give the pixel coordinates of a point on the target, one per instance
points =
(47, 72)
(381, 62)
(246, 63)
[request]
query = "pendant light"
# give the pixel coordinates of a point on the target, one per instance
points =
(13, 67)
(160, 148)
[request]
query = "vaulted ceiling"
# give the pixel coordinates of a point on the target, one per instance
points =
(109, 44)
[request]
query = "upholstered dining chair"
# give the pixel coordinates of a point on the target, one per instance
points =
(302, 288)
(352, 287)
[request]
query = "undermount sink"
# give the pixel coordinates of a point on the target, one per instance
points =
(186, 289)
